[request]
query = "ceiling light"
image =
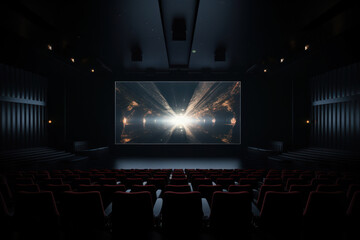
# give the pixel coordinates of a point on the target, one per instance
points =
(193, 51)
(307, 47)
(265, 70)
(282, 60)
(72, 60)
(92, 70)
(49, 47)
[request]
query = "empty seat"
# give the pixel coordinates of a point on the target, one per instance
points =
(24, 181)
(146, 188)
(159, 183)
(324, 215)
(108, 181)
(57, 190)
(177, 188)
(231, 213)
(132, 214)
(328, 188)
(6, 193)
(272, 181)
(317, 181)
(207, 191)
(352, 189)
(182, 212)
(200, 181)
(295, 181)
(77, 181)
(107, 192)
(129, 182)
(252, 181)
(36, 215)
(264, 189)
(281, 214)
(5, 220)
(225, 182)
(241, 188)
(353, 214)
(178, 181)
(83, 214)
(304, 190)
(27, 188)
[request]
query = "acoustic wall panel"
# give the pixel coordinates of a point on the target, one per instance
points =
(23, 108)
(336, 108)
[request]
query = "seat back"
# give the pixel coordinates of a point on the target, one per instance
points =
(207, 191)
(177, 188)
(231, 212)
(264, 189)
(200, 181)
(182, 212)
(83, 210)
(146, 188)
(132, 212)
(281, 212)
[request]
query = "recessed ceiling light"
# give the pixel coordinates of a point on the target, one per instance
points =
(193, 51)
(92, 70)
(49, 47)
(306, 47)
(265, 70)
(72, 60)
(282, 60)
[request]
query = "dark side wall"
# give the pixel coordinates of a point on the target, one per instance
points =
(78, 102)
(276, 104)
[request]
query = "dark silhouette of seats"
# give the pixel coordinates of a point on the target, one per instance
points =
(231, 214)
(36, 215)
(264, 189)
(225, 182)
(108, 181)
(159, 183)
(83, 215)
(295, 181)
(353, 215)
(178, 181)
(27, 188)
(328, 188)
(146, 188)
(207, 191)
(177, 188)
(304, 191)
(5, 220)
(324, 215)
(241, 188)
(132, 215)
(200, 181)
(57, 190)
(182, 213)
(129, 182)
(281, 215)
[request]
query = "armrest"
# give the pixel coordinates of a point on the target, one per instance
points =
(255, 210)
(108, 210)
(158, 192)
(157, 207)
(205, 208)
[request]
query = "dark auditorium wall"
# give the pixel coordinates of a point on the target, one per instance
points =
(335, 97)
(23, 107)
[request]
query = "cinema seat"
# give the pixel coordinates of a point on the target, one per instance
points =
(281, 215)
(324, 215)
(36, 215)
(129, 182)
(182, 213)
(159, 183)
(295, 181)
(132, 215)
(6, 193)
(231, 214)
(146, 188)
(26, 188)
(225, 182)
(200, 181)
(177, 188)
(252, 181)
(353, 215)
(178, 181)
(241, 188)
(82, 215)
(5, 220)
(272, 181)
(264, 189)
(108, 181)
(304, 191)
(207, 191)
(328, 188)
(80, 181)
(107, 192)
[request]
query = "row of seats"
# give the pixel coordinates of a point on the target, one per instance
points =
(263, 193)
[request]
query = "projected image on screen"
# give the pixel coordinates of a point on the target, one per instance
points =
(177, 112)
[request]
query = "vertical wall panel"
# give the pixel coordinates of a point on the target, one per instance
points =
(23, 106)
(336, 113)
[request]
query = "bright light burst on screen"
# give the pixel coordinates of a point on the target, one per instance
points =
(178, 112)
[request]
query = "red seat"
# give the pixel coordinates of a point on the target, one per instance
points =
(200, 181)
(182, 212)
(146, 188)
(264, 189)
(207, 191)
(324, 215)
(36, 215)
(231, 213)
(132, 215)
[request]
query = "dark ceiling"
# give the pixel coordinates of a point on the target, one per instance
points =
(138, 35)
